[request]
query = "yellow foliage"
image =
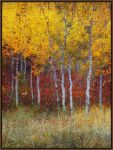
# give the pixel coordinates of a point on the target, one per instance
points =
(28, 27)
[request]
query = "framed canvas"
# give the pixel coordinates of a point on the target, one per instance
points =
(56, 85)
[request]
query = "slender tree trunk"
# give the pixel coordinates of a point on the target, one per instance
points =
(56, 85)
(24, 69)
(63, 88)
(62, 64)
(31, 84)
(54, 70)
(16, 83)
(12, 75)
(100, 96)
(89, 73)
(70, 90)
(88, 87)
(38, 89)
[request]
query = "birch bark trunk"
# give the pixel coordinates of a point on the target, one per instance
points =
(70, 90)
(62, 66)
(63, 88)
(89, 73)
(88, 86)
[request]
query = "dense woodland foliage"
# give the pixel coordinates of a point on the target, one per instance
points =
(56, 54)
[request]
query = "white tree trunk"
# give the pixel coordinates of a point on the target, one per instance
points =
(88, 86)
(62, 64)
(16, 83)
(38, 89)
(56, 85)
(70, 89)
(100, 95)
(89, 72)
(31, 84)
(63, 88)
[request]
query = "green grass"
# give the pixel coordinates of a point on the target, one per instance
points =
(30, 128)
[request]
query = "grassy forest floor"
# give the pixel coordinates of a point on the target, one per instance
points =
(27, 127)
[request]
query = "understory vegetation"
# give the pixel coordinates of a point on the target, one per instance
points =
(28, 127)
